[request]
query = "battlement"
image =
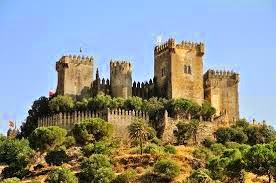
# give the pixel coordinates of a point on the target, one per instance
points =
(221, 74)
(171, 43)
(76, 59)
(116, 65)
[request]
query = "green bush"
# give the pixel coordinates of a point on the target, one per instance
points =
(14, 170)
(166, 168)
(56, 157)
(170, 149)
(185, 131)
(61, 104)
(207, 142)
(100, 147)
(88, 149)
(16, 154)
(217, 149)
(203, 153)
(152, 149)
(125, 177)
(61, 175)
(200, 176)
(133, 103)
(92, 129)
(155, 140)
(45, 138)
(104, 175)
(11, 180)
(69, 141)
(90, 166)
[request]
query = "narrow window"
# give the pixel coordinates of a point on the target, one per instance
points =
(189, 70)
(185, 69)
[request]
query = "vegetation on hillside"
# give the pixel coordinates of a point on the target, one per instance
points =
(89, 153)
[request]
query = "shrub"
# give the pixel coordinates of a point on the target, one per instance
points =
(155, 140)
(14, 170)
(61, 104)
(90, 166)
(127, 176)
(11, 180)
(202, 153)
(61, 175)
(133, 103)
(217, 149)
(223, 135)
(200, 176)
(207, 142)
(88, 149)
(104, 175)
(170, 149)
(92, 129)
(56, 157)
(166, 168)
(16, 154)
(69, 141)
(185, 131)
(152, 149)
(45, 138)
(102, 147)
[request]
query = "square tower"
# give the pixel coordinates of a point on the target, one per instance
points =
(75, 75)
(178, 70)
(221, 89)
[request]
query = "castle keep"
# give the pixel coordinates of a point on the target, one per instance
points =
(178, 73)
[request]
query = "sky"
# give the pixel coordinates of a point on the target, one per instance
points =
(239, 35)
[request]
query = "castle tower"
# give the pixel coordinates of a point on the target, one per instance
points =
(178, 69)
(75, 75)
(121, 79)
(221, 90)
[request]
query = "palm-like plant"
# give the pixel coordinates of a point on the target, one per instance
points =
(139, 131)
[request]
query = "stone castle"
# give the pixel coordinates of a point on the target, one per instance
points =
(178, 73)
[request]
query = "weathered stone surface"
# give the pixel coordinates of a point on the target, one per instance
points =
(178, 73)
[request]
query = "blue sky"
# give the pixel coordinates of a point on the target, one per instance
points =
(239, 35)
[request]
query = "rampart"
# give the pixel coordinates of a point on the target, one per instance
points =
(119, 118)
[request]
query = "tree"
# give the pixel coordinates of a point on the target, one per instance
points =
(100, 102)
(89, 170)
(207, 111)
(133, 103)
(260, 134)
(91, 130)
(185, 130)
(45, 138)
(154, 107)
(56, 157)
(16, 154)
(260, 159)
(139, 131)
(61, 175)
(200, 176)
(39, 108)
(61, 104)
(183, 107)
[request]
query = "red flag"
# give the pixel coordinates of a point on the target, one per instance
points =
(51, 93)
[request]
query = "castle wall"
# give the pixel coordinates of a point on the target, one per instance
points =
(121, 79)
(75, 75)
(205, 130)
(221, 90)
(120, 119)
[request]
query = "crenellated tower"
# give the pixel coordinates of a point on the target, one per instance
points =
(178, 70)
(121, 79)
(221, 89)
(75, 75)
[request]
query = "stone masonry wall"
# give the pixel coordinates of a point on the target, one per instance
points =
(120, 119)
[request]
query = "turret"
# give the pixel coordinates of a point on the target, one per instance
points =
(121, 79)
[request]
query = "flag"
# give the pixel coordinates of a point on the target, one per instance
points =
(51, 93)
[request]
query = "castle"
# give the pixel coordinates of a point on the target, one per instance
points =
(178, 73)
